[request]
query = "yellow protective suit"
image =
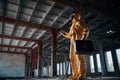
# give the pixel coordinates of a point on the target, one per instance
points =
(78, 31)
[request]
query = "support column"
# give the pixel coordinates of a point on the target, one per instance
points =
(36, 61)
(95, 64)
(62, 69)
(48, 69)
(29, 64)
(42, 67)
(32, 63)
(59, 69)
(40, 59)
(36, 57)
(53, 55)
(26, 65)
(65, 67)
(102, 58)
(70, 68)
(88, 65)
(115, 61)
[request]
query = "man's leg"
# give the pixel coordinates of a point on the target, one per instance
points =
(82, 66)
(74, 62)
(75, 69)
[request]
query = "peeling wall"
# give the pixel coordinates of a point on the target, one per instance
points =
(12, 65)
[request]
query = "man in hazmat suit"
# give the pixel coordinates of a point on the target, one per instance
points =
(78, 31)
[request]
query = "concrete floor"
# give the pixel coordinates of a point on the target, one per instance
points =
(64, 78)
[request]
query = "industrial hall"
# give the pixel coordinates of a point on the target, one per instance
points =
(59, 40)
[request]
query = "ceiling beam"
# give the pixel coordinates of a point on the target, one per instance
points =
(12, 46)
(27, 24)
(13, 52)
(48, 10)
(3, 12)
(44, 16)
(29, 21)
(70, 4)
(19, 38)
(17, 17)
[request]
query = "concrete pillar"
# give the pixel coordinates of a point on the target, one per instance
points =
(29, 64)
(32, 64)
(48, 69)
(26, 65)
(35, 57)
(40, 59)
(115, 61)
(36, 61)
(65, 67)
(53, 55)
(42, 66)
(59, 68)
(95, 64)
(62, 68)
(70, 68)
(104, 69)
(88, 65)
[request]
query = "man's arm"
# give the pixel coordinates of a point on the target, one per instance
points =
(65, 34)
(86, 33)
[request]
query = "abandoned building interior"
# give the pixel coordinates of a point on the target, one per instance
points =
(32, 47)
